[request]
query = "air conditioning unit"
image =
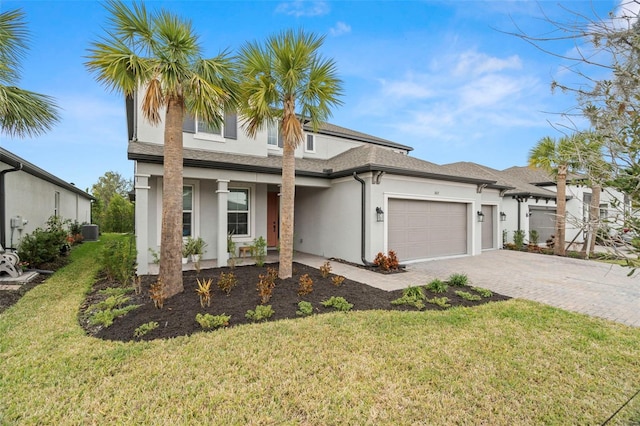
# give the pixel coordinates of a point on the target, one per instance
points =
(90, 232)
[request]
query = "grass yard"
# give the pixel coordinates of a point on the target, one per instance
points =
(513, 362)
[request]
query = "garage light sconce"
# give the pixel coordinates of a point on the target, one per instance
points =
(503, 216)
(379, 214)
(480, 216)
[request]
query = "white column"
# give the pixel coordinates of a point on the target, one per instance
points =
(223, 195)
(141, 187)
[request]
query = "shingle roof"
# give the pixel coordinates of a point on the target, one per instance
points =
(343, 132)
(360, 159)
(534, 176)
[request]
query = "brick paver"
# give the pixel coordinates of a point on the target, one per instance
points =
(589, 287)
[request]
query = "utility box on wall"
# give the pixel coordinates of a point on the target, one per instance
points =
(18, 222)
(90, 232)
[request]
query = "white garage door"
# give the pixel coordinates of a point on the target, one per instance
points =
(544, 221)
(427, 229)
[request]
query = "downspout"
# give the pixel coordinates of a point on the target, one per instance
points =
(362, 220)
(3, 204)
(519, 202)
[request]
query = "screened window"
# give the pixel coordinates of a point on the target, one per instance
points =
(229, 129)
(311, 145)
(604, 211)
(238, 211)
(274, 138)
(187, 211)
(203, 127)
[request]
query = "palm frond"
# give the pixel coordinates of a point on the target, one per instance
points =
(13, 44)
(153, 100)
(25, 113)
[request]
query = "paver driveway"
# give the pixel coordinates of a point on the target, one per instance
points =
(593, 288)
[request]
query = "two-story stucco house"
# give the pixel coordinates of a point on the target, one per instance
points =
(29, 196)
(356, 194)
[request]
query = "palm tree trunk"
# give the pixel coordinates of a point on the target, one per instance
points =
(561, 203)
(171, 237)
(287, 209)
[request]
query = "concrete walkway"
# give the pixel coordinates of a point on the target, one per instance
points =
(593, 288)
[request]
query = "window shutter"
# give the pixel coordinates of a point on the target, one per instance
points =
(189, 124)
(231, 125)
(280, 143)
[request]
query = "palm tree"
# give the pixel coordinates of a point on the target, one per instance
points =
(22, 113)
(159, 54)
(556, 158)
(284, 81)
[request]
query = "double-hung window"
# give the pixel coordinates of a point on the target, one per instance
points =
(56, 204)
(204, 130)
(238, 211)
(604, 211)
(310, 144)
(187, 211)
(274, 136)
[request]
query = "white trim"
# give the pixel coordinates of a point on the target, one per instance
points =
(195, 216)
(252, 212)
(306, 143)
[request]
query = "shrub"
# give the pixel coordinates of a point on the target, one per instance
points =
(44, 245)
(459, 280)
(412, 296)
(106, 317)
(261, 313)
(337, 280)
(443, 302)
(387, 262)
(325, 269)
(306, 285)
(518, 238)
(145, 328)
(208, 321)
(227, 282)
(533, 237)
(483, 291)
(304, 309)
(468, 296)
(437, 286)
(157, 294)
(266, 284)
(119, 260)
(204, 291)
(259, 250)
(338, 303)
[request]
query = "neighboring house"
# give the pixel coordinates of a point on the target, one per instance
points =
(29, 196)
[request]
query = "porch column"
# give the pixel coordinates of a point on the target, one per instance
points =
(141, 188)
(223, 195)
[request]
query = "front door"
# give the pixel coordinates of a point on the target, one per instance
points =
(273, 218)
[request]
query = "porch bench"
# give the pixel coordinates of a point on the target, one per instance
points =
(244, 250)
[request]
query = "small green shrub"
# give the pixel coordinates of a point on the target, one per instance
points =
(338, 303)
(304, 309)
(110, 302)
(262, 312)
(483, 291)
(534, 236)
(443, 302)
(144, 329)
(226, 282)
(105, 317)
(460, 280)
(116, 291)
(119, 260)
(437, 286)
(518, 238)
(44, 245)
(412, 296)
(468, 296)
(208, 321)
(259, 250)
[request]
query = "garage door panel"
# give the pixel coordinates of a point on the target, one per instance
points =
(419, 229)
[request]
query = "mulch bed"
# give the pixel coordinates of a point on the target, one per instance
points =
(177, 317)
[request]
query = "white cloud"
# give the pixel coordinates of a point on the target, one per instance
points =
(339, 29)
(627, 8)
(474, 63)
(299, 8)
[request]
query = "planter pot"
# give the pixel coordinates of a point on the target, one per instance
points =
(185, 260)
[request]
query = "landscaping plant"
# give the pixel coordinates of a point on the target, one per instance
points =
(145, 328)
(468, 296)
(204, 291)
(437, 286)
(259, 250)
(483, 291)
(208, 321)
(337, 280)
(387, 262)
(460, 280)
(261, 313)
(325, 269)
(305, 285)
(157, 294)
(443, 302)
(304, 309)
(412, 296)
(266, 284)
(226, 282)
(338, 303)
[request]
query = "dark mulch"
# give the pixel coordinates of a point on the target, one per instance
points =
(177, 317)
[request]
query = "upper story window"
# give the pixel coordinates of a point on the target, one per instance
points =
(56, 204)
(274, 136)
(310, 145)
(228, 130)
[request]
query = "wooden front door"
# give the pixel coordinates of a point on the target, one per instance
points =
(273, 219)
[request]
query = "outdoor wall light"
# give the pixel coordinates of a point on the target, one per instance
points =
(480, 216)
(503, 216)
(379, 214)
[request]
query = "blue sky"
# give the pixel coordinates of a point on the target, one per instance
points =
(434, 75)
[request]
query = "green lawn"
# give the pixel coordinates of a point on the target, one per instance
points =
(508, 363)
